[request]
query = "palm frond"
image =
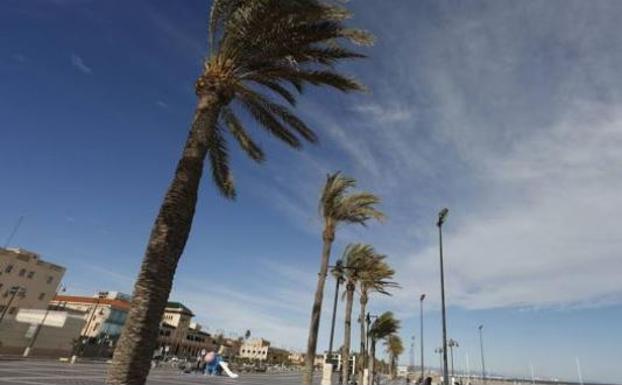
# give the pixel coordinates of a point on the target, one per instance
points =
(221, 9)
(335, 187)
(384, 325)
(219, 161)
(359, 208)
(377, 277)
(277, 46)
(277, 88)
(394, 345)
(267, 120)
(239, 133)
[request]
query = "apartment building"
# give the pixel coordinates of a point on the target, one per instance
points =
(260, 349)
(104, 313)
(26, 281)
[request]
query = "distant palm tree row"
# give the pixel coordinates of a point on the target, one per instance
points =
(260, 51)
(363, 268)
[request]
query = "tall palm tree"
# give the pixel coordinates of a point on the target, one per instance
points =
(394, 346)
(357, 258)
(337, 205)
(383, 326)
(376, 278)
(259, 50)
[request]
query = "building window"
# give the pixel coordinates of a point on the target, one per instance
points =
(8, 269)
(50, 279)
(31, 274)
(12, 310)
(41, 296)
(2, 307)
(22, 272)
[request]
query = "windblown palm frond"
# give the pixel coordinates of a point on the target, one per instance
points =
(377, 277)
(358, 258)
(393, 345)
(383, 326)
(337, 205)
(265, 49)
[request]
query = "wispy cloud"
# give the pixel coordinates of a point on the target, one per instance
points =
(78, 63)
(516, 131)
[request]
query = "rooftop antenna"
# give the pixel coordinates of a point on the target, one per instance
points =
(15, 228)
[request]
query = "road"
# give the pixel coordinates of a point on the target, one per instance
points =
(35, 372)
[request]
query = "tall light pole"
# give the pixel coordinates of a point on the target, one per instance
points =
(442, 215)
(421, 338)
(481, 349)
(439, 351)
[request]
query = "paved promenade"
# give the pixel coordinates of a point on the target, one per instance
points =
(56, 373)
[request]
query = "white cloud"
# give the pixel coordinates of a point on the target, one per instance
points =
(78, 63)
(518, 131)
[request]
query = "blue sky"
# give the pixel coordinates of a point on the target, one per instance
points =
(509, 113)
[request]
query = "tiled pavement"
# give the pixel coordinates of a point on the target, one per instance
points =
(34, 372)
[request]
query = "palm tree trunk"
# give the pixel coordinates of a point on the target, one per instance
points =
(362, 364)
(372, 359)
(345, 354)
(132, 356)
(395, 357)
(328, 237)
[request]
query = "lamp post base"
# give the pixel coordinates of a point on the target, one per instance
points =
(327, 374)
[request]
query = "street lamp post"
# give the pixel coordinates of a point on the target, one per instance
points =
(439, 351)
(40, 326)
(452, 344)
(442, 215)
(421, 323)
(481, 348)
(13, 291)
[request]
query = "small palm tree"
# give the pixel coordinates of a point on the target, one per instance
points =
(376, 278)
(383, 326)
(258, 49)
(357, 259)
(337, 205)
(394, 346)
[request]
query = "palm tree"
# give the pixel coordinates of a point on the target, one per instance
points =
(383, 326)
(357, 259)
(337, 205)
(258, 49)
(376, 278)
(394, 347)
